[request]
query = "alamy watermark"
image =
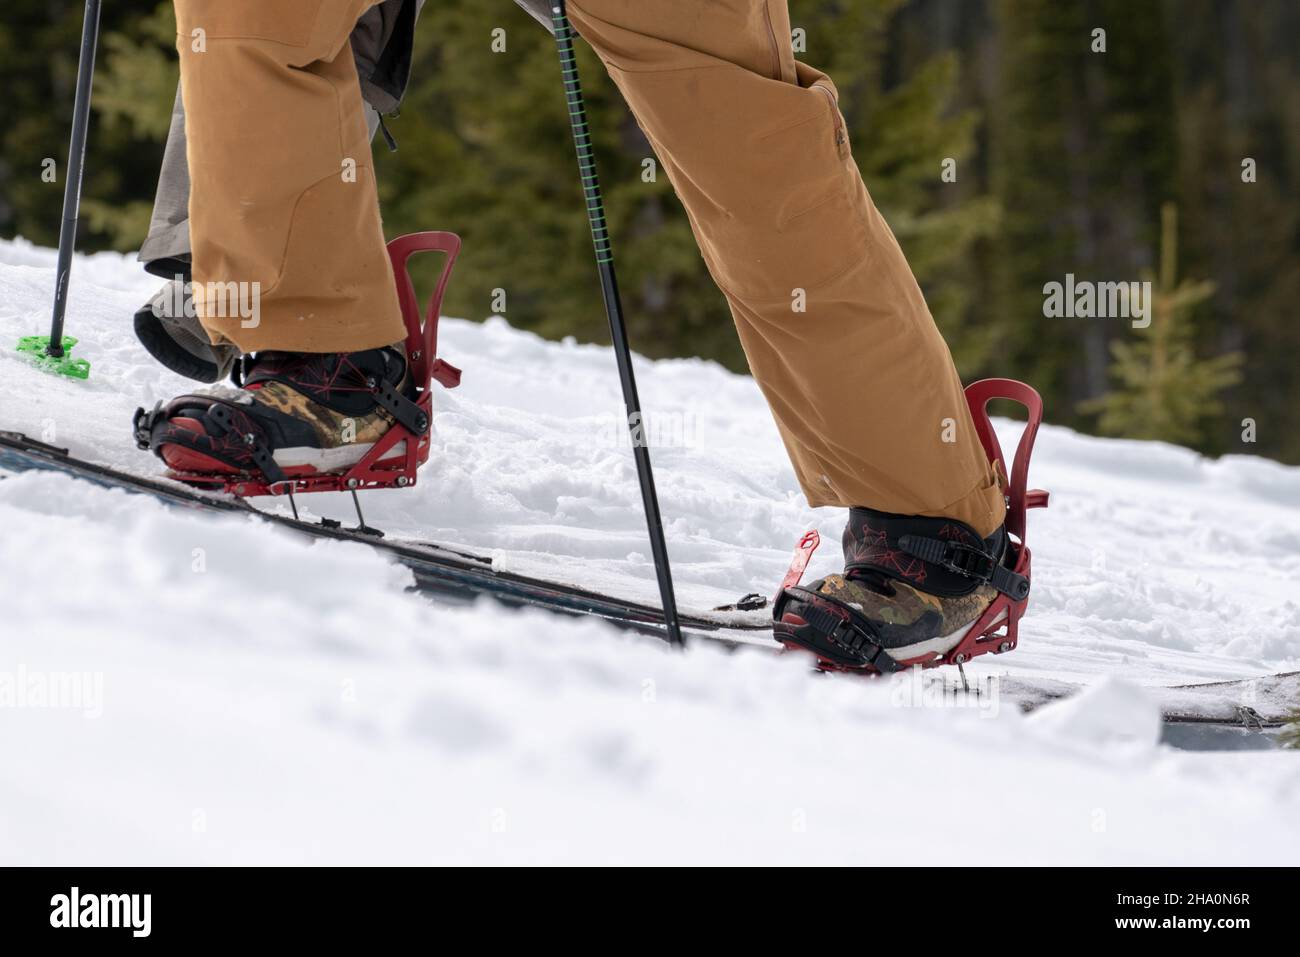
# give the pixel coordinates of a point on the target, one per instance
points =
(222, 300)
(71, 690)
(75, 909)
(679, 430)
(913, 688)
(1082, 299)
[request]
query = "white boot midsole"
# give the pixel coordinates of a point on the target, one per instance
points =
(941, 644)
(330, 460)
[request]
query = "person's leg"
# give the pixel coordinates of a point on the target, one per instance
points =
(167, 325)
(835, 328)
(283, 191)
(283, 194)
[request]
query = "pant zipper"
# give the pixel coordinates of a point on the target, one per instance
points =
(776, 48)
(841, 140)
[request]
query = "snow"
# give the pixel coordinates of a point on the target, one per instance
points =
(1110, 713)
(183, 688)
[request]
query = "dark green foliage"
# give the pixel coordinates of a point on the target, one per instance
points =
(134, 90)
(1163, 390)
(1083, 158)
(39, 43)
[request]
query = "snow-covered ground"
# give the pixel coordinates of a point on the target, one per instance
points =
(250, 697)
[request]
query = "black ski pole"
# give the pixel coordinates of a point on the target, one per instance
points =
(76, 166)
(614, 312)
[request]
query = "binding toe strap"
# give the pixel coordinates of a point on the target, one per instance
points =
(840, 625)
(153, 430)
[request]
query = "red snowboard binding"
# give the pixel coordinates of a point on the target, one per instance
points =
(393, 460)
(996, 630)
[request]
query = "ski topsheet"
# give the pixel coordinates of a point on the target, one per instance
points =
(459, 575)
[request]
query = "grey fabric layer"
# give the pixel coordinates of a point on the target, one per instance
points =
(167, 328)
(169, 229)
(382, 43)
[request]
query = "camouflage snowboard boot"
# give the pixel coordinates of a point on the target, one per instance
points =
(911, 588)
(290, 415)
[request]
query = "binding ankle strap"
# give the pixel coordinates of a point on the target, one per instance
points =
(970, 562)
(941, 556)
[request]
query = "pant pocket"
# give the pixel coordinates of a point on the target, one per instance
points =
(289, 22)
(802, 226)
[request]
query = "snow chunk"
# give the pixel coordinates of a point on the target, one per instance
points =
(1110, 713)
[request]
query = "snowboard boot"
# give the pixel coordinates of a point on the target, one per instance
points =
(911, 589)
(289, 415)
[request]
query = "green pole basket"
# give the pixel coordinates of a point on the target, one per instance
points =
(36, 350)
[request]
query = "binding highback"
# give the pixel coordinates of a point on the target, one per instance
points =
(978, 396)
(422, 337)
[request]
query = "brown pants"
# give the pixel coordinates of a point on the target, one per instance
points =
(283, 187)
(835, 328)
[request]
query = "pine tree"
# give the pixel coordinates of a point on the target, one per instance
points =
(1163, 390)
(1084, 150)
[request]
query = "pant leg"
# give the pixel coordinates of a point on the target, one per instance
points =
(273, 109)
(861, 383)
(167, 247)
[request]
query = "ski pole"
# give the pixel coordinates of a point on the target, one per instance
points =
(76, 166)
(614, 312)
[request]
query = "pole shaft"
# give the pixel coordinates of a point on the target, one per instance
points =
(74, 171)
(614, 312)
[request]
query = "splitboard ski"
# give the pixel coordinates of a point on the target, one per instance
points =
(459, 575)
(438, 570)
